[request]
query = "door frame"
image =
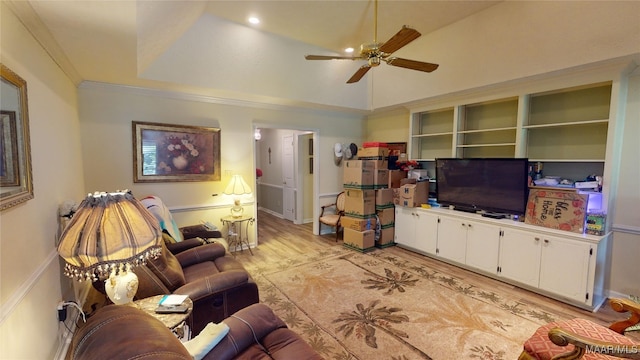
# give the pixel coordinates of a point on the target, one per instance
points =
(299, 170)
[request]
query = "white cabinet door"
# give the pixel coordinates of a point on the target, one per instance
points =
(483, 246)
(520, 256)
(452, 240)
(564, 267)
(405, 233)
(426, 232)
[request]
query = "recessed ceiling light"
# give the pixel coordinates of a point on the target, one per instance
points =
(254, 20)
(348, 50)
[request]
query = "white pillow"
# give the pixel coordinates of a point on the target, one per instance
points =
(208, 338)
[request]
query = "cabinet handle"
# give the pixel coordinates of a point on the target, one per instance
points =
(463, 224)
(537, 239)
(546, 241)
(469, 225)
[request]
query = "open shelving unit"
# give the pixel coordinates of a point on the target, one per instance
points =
(566, 126)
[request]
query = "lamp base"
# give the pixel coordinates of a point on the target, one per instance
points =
(122, 288)
(237, 209)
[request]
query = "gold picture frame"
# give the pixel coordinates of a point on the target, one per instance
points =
(171, 153)
(16, 183)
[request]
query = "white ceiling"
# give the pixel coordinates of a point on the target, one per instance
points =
(115, 41)
(104, 38)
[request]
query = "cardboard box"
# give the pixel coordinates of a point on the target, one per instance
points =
(395, 176)
(349, 222)
(379, 162)
(380, 178)
(359, 240)
(387, 237)
(373, 151)
(358, 174)
(360, 203)
(384, 198)
(386, 216)
(412, 195)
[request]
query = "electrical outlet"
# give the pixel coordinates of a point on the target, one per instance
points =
(62, 311)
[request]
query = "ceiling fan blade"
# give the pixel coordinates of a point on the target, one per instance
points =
(359, 74)
(400, 39)
(324, 57)
(411, 64)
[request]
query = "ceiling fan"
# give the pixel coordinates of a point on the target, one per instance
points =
(376, 53)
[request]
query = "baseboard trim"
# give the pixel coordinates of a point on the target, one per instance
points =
(271, 212)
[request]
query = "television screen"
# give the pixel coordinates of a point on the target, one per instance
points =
(494, 185)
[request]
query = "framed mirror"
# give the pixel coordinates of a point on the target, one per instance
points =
(16, 185)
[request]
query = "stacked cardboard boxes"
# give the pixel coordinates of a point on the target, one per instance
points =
(359, 221)
(384, 207)
(385, 211)
(411, 193)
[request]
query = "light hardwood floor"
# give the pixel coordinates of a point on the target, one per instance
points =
(279, 239)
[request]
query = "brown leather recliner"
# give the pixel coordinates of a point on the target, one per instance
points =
(124, 332)
(217, 284)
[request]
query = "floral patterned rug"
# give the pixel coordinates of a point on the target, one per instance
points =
(387, 305)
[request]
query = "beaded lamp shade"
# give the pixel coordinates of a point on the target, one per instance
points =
(110, 233)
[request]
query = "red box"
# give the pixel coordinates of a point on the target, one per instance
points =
(369, 144)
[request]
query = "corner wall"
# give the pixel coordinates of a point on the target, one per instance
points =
(32, 284)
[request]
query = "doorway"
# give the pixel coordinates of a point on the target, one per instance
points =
(288, 185)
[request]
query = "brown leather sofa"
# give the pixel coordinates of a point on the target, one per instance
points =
(217, 283)
(123, 332)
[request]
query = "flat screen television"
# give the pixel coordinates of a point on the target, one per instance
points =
(491, 185)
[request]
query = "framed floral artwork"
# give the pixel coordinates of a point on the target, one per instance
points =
(168, 153)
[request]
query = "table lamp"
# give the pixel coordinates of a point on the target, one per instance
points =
(108, 235)
(237, 186)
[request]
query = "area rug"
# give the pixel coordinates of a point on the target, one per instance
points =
(388, 305)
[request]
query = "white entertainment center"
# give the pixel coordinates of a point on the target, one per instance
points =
(566, 123)
(566, 266)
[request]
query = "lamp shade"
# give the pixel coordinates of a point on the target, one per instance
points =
(237, 186)
(110, 232)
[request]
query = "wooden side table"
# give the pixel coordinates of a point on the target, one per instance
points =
(174, 321)
(236, 233)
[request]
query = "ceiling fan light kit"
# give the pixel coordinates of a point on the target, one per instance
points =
(375, 53)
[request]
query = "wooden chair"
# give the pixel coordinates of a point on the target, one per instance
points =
(584, 339)
(333, 219)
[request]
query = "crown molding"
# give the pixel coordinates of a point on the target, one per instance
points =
(32, 22)
(262, 103)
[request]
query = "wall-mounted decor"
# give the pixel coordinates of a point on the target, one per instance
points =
(557, 209)
(8, 149)
(167, 153)
(16, 185)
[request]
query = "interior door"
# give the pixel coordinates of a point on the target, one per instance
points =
(288, 178)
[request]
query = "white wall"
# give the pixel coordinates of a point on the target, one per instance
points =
(32, 284)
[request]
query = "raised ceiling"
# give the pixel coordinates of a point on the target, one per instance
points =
(115, 41)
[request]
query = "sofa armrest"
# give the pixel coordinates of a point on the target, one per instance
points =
(201, 231)
(181, 246)
(198, 254)
(258, 317)
(213, 284)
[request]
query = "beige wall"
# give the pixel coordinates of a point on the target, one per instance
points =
(625, 248)
(392, 126)
(32, 284)
(107, 112)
